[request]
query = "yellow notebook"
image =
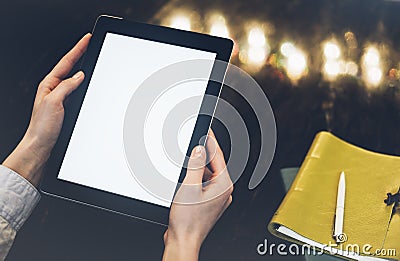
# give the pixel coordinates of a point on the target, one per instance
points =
(307, 213)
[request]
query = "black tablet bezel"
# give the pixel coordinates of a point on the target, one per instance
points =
(51, 185)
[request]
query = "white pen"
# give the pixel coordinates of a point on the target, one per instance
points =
(338, 234)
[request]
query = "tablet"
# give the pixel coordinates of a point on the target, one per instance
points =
(113, 124)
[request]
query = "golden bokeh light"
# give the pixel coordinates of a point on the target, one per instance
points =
(296, 65)
(332, 50)
(256, 37)
(372, 56)
(287, 48)
(372, 69)
(181, 22)
(332, 69)
(218, 26)
(351, 68)
(256, 55)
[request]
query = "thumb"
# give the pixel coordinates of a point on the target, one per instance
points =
(196, 165)
(67, 86)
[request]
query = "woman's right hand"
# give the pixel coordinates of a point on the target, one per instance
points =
(200, 201)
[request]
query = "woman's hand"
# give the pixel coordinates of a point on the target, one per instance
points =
(47, 118)
(200, 201)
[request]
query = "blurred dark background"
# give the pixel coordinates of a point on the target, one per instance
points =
(35, 34)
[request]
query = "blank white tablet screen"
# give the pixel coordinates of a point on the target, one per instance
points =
(95, 155)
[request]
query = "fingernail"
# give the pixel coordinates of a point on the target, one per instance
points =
(198, 150)
(78, 75)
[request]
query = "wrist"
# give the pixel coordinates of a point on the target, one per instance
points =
(27, 160)
(181, 250)
(183, 239)
(39, 148)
